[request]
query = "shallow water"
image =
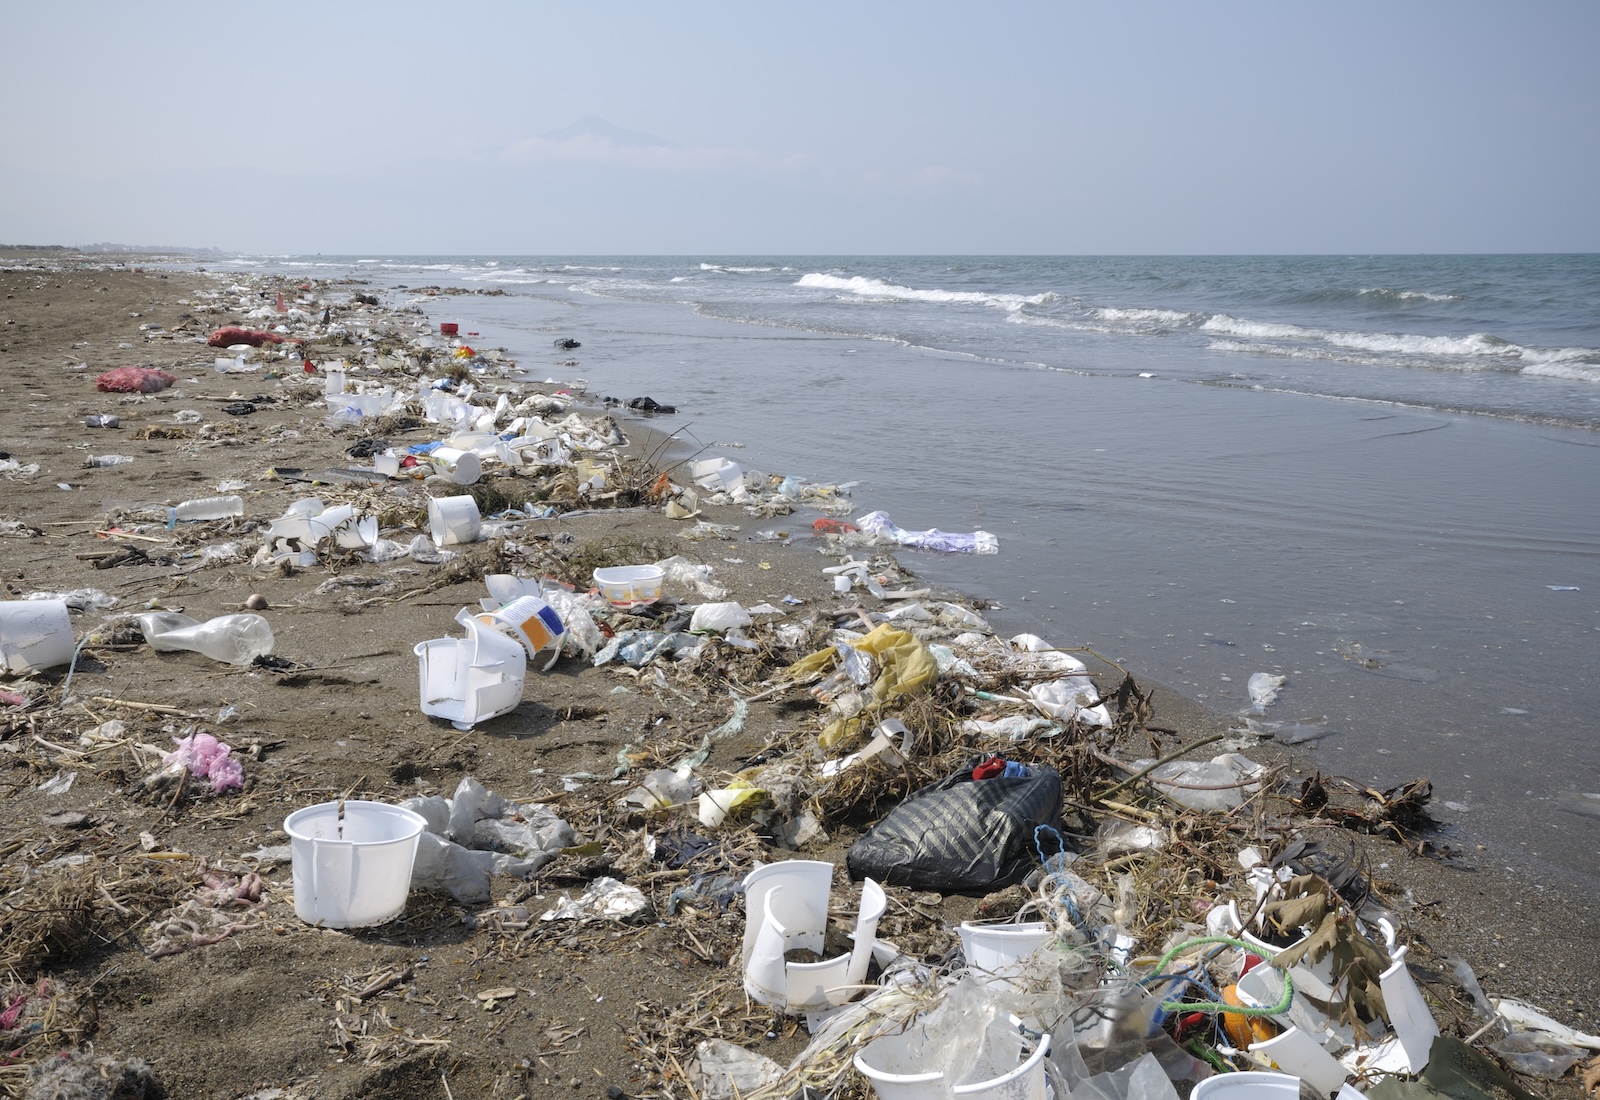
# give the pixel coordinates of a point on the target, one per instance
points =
(1298, 508)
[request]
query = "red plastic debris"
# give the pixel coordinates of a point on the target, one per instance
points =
(995, 765)
(826, 526)
(134, 380)
(229, 335)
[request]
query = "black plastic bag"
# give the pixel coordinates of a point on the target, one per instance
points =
(959, 836)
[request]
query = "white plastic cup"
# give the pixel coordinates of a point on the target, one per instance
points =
(387, 465)
(461, 467)
(352, 869)
(34, 635)
(453, 520)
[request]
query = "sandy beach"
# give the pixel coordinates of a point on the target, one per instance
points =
(102, 870)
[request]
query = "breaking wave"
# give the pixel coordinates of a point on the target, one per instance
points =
(878, 290)
(1407, 295)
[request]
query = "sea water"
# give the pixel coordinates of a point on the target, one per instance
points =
(1376, 476)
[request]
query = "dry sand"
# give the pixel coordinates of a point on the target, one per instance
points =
(576, 1010)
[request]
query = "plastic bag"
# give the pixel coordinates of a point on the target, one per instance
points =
(961, 836)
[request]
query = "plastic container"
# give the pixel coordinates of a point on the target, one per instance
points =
(469, 680)
(204, 508)
(461, 467)
(34, 635)
(1250, 1085)
(530, 621)
(352, 861)
(630, 585)
(894, 1065)
(102, 420)
(448, 328)
(786, 908)
(108, 460)
(996, 948)
(453, 520)
(234, 639)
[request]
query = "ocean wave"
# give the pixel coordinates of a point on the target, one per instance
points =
(1407, 295)
(1474, 345)
(737, 270)
(1568, 370)
(1147, 316)
(879, 290)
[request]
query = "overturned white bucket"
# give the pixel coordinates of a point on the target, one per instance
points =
(897, 1066)
(472, 679)
(34, 635)
(352, 861)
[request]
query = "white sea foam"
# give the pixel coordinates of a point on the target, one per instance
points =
(1403, 295)
(737, 270)
(1147, 316)
(1477, 345)
(879, 290)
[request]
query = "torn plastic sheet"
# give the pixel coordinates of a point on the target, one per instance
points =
(605, 899)
(1218, 784)
(977, 542)
(476, 834)
(1072, 696)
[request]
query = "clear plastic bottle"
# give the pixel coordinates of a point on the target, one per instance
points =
(108, 460)
(206, 508)
(235, 639)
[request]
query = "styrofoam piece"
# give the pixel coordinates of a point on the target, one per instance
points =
(1296, 1052)
(1250, 1085)
(998, 949)
(895, 1066)
(1413, 1024)
(716, 473)
(34, 635)
(472, 679)
(351, 861)
(786, 909)
(453, 520)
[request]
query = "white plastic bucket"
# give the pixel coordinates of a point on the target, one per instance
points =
(352, 870)
(1250, 1085)
(892, 1064)
(453, 520)
(998, 948)
(34, 635)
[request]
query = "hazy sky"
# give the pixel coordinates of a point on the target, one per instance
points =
(401, 127)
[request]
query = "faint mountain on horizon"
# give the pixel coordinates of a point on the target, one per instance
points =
(593, 126)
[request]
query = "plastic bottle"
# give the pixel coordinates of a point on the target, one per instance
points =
(206, 508)
(108, 460)
(102, 420)
(235, 639)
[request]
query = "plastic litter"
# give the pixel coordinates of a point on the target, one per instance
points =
(472, 679)
(786, 909)
(234, 639)
(1263, 688)
(134, 380)
(880, 526)
(35, 634)
(205, 757)
(352, 861)
(605, 899)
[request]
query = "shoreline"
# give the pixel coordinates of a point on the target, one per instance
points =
(1454, 911)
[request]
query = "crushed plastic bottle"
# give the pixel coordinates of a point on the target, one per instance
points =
(108, 460)
(234, 639)
(206, 508)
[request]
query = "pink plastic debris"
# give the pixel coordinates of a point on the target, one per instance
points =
(134, 380)
(208, 758)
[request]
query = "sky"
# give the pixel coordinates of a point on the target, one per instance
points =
(804, 129)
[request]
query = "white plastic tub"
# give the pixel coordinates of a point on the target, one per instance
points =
(896, 1066)
(352, 869)
(630, 585)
